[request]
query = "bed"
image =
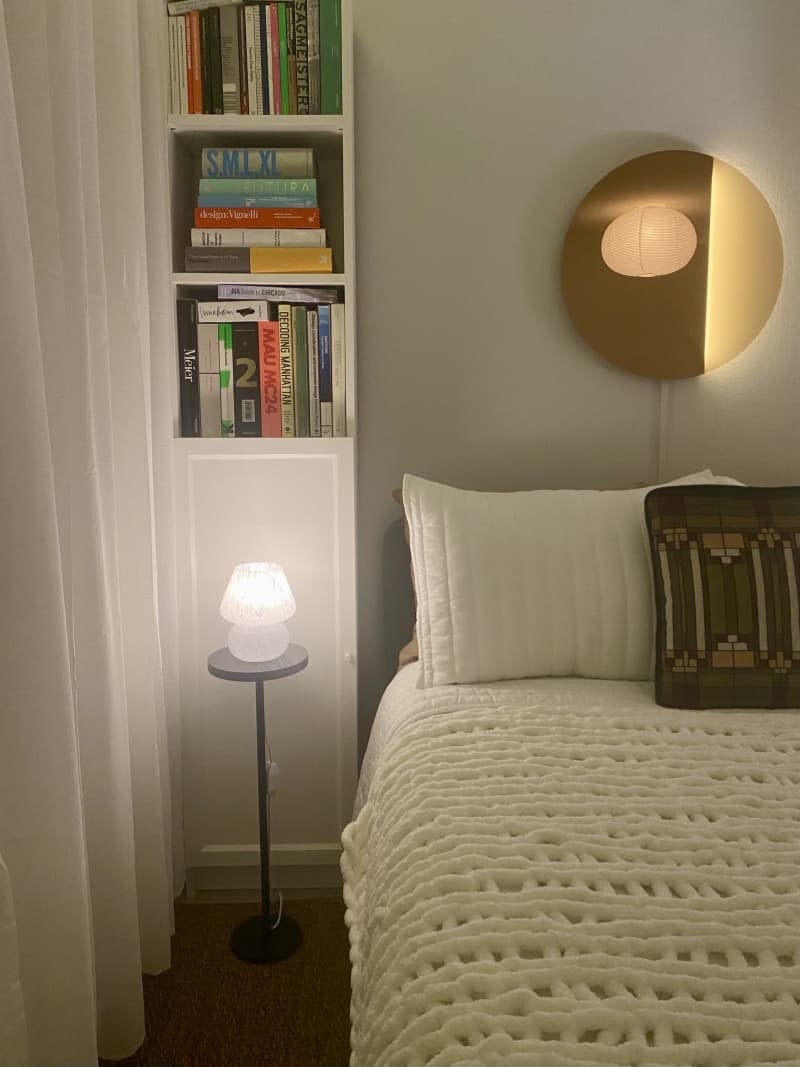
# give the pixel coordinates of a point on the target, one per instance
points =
(560, 871)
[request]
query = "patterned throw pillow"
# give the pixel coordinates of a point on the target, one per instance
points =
(726, 567)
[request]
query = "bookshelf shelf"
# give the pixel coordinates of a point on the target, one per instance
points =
(305, 280)
(302, 125)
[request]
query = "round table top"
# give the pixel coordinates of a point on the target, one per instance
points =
(223, 664)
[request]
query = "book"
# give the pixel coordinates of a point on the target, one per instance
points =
(229, 62)
(225, 336)
(338, 371)
(244, 94)
(312, 18)
(289, 260)
(260, 65)
(215, 59)
(330, 56)
(183, 72)
(180, 7)
(325, 378)
(301, 55)
(286, 350)
(235, 200)
(300, 339)
(277, 293)
(217, 259)
(188, 368)
(194, 57)
(298, 237)
(263, 217)
(246, 388)
(275, 59)
(270, 370)
(312, 333)
(208, 362)
(214, 311)
(250, 50)
(174, 83)
(260, 186)
(283, 57)
(263, 59)
(291, 60)
(205, 58)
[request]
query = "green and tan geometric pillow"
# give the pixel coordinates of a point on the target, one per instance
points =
(726, 567)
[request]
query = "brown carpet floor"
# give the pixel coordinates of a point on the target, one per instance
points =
(211, 1010)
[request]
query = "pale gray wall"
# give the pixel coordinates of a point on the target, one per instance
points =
(480, 127)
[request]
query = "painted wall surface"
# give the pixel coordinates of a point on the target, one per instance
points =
(480, 127)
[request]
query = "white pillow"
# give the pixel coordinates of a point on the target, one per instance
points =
(525, 584)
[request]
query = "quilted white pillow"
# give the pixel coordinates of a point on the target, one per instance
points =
(525, 584)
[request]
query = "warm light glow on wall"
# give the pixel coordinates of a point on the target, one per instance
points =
(648, 241)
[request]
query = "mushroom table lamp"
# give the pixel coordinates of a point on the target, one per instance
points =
(258, 601)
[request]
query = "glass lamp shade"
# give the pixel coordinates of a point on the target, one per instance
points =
(257, 601)
(648, 241)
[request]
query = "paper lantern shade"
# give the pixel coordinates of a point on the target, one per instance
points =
(648, 241)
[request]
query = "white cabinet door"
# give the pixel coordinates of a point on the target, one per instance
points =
(255, 501)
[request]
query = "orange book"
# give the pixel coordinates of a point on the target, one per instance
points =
(288, 260)
(269, 363)
(196, 73)
(277, 218)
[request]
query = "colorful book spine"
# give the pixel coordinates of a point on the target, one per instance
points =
(338, 371)
(314, 95)
(259, 217)
(283, 59)
(259, 61)
(195, 36)
(188, 368)
(312, 333)
(300, 338)
(301, 55)
(330, 56)
(246, 388)
(275, 57)
(325, 376)
(218, 259)
(277, 293)
(229, 60)
(208, 361)
(297, 238)
(233, 200)
(289, 260)
(259, 186)
(250, 48)
(286, 349)
(231, 310)
(180, 7)
(263, 59)
(291, 59)
(270, 369)
(227, 407)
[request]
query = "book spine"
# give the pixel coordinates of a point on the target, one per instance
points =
(259, 61)
(270, 71)
(249, 22)
(291, 59)
(205, 60)
(227, 421)
(208, 363)
(314, 95)
(198, 99)
(283, 58)
(299, 334)
(259, 163)
(296, 238)
(217, 259)
(188, 368)
(301, 55)
(276, 293)
(286, 347)
(231, 310)
(174, 82)
(287, 218)
(246, 389)
(181, 7)
(290, 260)
(330, 56)
(229, 61)
(312, 318)
(275, 37)
(244, 95)
(270, 368)
(215, 59)
(259, 186)
(338, 371)
(325, 377)
(183, 69)
(264, 57)
(234, 200)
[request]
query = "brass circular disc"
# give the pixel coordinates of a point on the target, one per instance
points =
(686, 323)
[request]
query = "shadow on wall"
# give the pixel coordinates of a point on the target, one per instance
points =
(397, 600)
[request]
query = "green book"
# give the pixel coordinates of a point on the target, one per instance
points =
(225, 334)
(330, 56)
(299, 318)
(284, 59)
(258, 186)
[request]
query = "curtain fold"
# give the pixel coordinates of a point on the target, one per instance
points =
(85, 797)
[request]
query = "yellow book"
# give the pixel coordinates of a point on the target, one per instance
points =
(287, 260)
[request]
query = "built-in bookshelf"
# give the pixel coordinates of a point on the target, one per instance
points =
(290, 498)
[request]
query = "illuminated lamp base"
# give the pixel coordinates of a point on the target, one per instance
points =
(258, 644)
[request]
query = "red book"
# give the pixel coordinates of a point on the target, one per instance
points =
(197, 68)
(269, 364)
(257, 217)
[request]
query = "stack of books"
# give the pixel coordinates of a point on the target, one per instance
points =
(262, 361)
(257, 212)
(244, 58)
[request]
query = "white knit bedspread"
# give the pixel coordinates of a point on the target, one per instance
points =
(535, 882)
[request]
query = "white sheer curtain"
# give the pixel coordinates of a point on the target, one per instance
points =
(85, 812)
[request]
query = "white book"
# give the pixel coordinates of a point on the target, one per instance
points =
(229, 49)
(181, 7)
(259, 61)
(251, 237)
(231, 311)
(338, 370)
(268, 68)
(250, 45)
(210, 418)
(312, 331)
(183, 78)
(226, 383)
(174, 83)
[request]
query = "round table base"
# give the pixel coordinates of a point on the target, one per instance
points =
(250, 943)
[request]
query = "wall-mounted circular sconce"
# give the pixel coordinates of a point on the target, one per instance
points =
(672, 264)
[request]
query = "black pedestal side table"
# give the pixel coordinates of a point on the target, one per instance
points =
(264, 938)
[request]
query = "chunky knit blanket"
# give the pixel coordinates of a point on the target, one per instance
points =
(534, 883)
